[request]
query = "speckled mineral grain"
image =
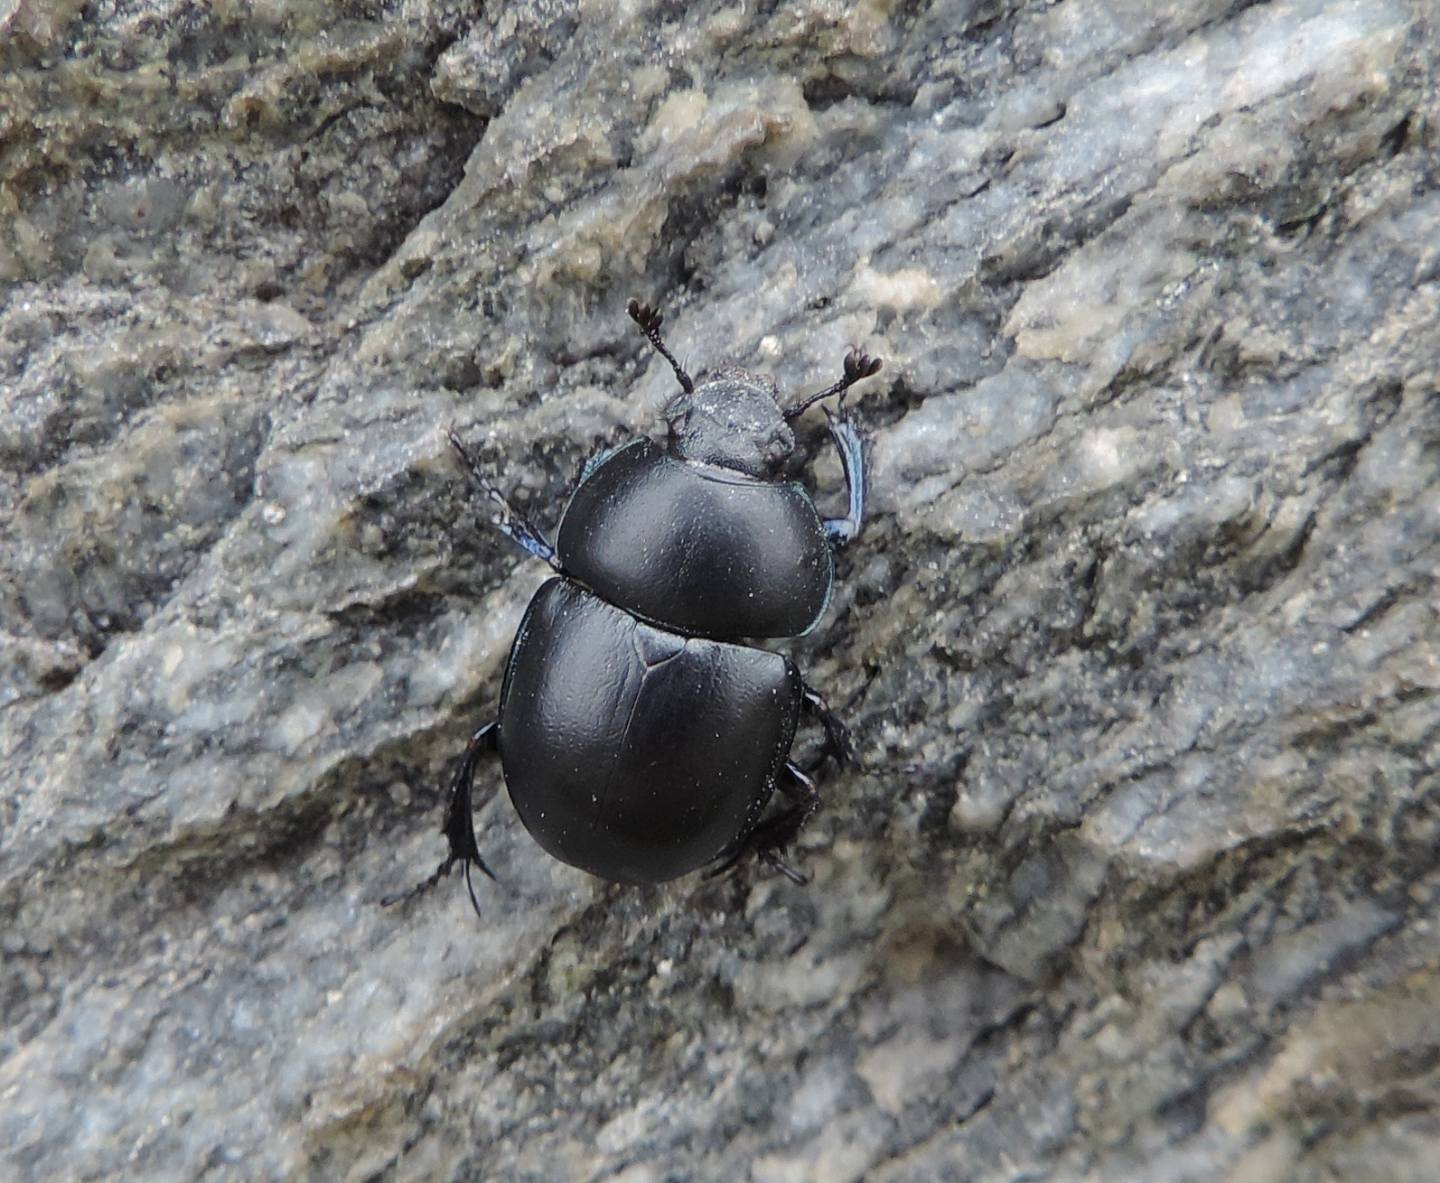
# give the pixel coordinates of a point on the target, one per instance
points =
(1138, 878)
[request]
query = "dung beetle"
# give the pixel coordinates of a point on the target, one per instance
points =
(639, 738)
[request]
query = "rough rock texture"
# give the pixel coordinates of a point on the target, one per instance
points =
(1141, 646)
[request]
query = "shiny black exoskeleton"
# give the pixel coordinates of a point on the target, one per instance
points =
(640, 740)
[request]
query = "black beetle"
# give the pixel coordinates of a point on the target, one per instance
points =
(639, 739)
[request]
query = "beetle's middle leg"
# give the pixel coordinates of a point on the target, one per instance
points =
(507, 520)
(776, 832)
(837, 736)
(459, 827)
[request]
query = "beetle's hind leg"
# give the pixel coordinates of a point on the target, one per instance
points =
(776, 832)
(771, 835)
(459, 827)
(507, 519)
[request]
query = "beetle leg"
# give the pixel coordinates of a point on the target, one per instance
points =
(858, 365)
(837, 736)
(775, 833)
(510, 523)
(842, 531)
(459, 827)
(649, 321)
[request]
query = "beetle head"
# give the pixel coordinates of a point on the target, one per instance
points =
(731, 419)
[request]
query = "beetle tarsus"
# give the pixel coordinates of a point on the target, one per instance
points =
(649, 319)
(425, 885)
(507, 519)
(776, 863)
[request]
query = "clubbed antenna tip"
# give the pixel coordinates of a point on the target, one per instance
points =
(858, 365)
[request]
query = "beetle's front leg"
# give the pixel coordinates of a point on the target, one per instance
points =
(507, 520)
(842, 531)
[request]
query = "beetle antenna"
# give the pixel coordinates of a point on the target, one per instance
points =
(858, 365)
(649, 321)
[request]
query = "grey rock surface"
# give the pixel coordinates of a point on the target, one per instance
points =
(1138, 880)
